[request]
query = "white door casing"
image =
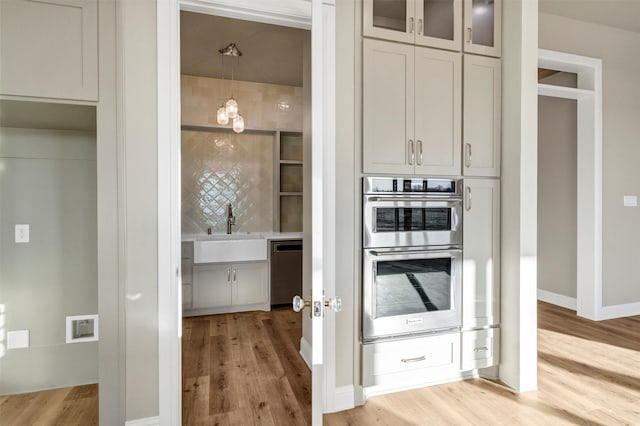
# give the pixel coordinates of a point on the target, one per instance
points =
(589, 180)
(295, 13)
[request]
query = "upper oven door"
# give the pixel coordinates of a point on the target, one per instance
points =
(411, 221)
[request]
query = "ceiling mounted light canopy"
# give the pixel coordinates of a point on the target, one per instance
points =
(229, 110)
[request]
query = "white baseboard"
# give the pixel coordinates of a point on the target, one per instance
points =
(558, 299)
(305, 351)
(343, 399)
(620, 311)
(147, 421)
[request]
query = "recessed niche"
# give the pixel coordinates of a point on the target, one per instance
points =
(82, 328)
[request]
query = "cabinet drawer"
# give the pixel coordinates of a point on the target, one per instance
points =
(480, 348)
(425, 354)
(187, 250)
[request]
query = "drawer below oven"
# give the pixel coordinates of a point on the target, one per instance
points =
(411, 361)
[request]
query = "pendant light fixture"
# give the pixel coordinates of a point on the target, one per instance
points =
(229, 111)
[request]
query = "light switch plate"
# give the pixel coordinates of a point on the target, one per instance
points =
(22, 233)
(18, 339)
(630, 201)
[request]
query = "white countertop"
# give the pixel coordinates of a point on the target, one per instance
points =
(266, 235)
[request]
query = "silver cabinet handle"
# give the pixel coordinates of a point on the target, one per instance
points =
(469, 35)
(419, 152)
(235, 275)
(468, 198)
(481, 349)
(228, 274)
(419, 26)
(412, 154)
(467, 161)
(410, 25)
(417, 359)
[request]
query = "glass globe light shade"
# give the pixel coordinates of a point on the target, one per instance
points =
(232, 108)
(238, 124)
(221, 116)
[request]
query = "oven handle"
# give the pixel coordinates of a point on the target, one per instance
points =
(420, 199)
(403, 252)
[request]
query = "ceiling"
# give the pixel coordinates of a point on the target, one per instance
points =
(270, 53)
(623, 14)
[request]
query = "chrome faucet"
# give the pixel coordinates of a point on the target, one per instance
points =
(231, 219)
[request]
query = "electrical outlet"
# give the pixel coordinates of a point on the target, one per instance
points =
(22, 233)
(630, 201)
(18, 339)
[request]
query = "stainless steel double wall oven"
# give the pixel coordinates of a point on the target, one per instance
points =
(412, 260)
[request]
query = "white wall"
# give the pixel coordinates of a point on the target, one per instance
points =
(620, 54)
(557, 190)
(48, 181)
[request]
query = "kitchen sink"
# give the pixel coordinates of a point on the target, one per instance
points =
(225, 237)
(238, 247)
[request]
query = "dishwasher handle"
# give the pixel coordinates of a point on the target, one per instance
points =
(288, 246)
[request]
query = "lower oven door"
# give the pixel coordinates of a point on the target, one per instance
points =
(411, 291)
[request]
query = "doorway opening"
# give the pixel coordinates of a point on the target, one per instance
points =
(576, 84)
(245, 204)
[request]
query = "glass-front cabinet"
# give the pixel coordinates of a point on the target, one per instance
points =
(482, 27)
(434, 23)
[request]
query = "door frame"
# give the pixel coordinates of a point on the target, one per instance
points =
(294, 13)
(588, 96)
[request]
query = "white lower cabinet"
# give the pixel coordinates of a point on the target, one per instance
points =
(411, 362)
(480, 348)
(481, 254)
(230, 287)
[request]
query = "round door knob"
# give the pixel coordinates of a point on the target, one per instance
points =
(334, 303)
(299, 303)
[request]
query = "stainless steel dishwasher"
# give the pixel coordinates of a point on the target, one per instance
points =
(285, 271)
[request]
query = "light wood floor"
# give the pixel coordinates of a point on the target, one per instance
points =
(245, 369)
(76, 405)
(589, 373)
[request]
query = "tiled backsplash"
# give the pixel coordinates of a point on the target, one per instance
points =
(223, 167)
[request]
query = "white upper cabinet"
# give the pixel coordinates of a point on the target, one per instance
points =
(438, 110)
(481, 116)
(483, 27)
(481, 256)
(388, 107)
(434, 23)
(49, 49)
(411, 109)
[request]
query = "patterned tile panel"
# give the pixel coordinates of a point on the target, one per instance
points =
(219, 168)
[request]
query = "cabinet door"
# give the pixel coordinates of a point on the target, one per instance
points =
(389, 19)
(49, 49)
(250, 283)
(388, 102)
(438, 104)
(481, 116)
(481, 254)
(483, 27)
(438, 23)
(211, 285)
